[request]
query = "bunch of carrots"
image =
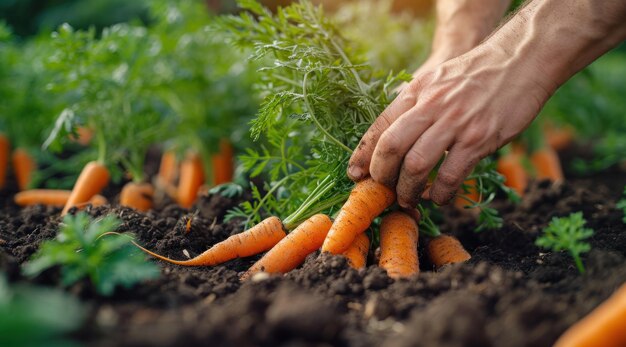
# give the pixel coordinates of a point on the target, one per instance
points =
(535, 155)
(345, 236)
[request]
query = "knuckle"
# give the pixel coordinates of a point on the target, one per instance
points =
(389, 143)
(448, 180)
(473, 137)
(415, 164)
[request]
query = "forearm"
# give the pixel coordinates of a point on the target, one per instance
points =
(463, 24)
(557, 38)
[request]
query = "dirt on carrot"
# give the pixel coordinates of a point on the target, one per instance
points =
(357, 252)
(398, 245)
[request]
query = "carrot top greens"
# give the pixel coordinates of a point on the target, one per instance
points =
(82, 252)
(320, 96)
(567, 233)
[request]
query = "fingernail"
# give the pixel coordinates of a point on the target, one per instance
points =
(355, 172)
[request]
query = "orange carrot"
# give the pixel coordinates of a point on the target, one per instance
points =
(50, 197)
(515, 176)
(23, 167)
(558, 137)
(4, 158)
(398, 245)
(547, 164)
(603, 327)
(357, 252)
(83, 136)
(255, 240)
(464, 199)
(90, 182)
(446, 249)
(367, 200)
(223, 163)
(168, 168)
(293, 249)
(191, 178)
(137, 195)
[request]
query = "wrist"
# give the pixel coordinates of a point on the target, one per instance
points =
(555, 40)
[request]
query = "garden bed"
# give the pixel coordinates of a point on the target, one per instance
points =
(511, 292)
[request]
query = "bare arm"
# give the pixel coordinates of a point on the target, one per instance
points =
(479, 101)
(461, 25)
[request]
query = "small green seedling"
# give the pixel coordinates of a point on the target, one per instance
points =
(567, 233)
(81, 252)
(622, 205)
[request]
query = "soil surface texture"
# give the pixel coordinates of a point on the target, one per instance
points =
(511, 293)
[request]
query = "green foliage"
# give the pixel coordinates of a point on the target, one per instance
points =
(567, 233)
(173, 81)
(593, 103)
(32, 316)
(621, 204)
(209, 85)
(391, 40)
(108, 84)
(320, 96)
(82, 251)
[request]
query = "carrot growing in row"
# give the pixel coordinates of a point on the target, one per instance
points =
(293, 249)
(367, 200)
(255, 240)
(137, 195)
(398, 245)
(91, 181)
(23, 165)
(5, 148)
(510, 165)
(446, 249)
(51, 197)
(357, 252)
(547, 164)
(223, 163)
(191, 179)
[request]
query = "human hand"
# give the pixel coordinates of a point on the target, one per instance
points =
(469, 106)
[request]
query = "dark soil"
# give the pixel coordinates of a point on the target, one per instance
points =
(510, 294)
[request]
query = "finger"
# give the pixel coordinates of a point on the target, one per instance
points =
(394, 144)
(457, 165)
(418, 163)
(358, 166)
